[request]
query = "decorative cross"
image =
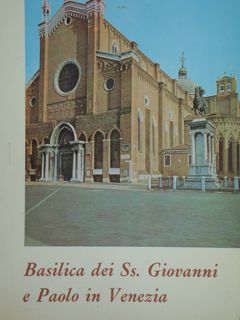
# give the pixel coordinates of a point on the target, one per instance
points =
(182, 59)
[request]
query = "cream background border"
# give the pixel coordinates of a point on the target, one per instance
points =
(188, 299)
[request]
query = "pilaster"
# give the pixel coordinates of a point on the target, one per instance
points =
(92, 63)
(181, 121)
(43, 76)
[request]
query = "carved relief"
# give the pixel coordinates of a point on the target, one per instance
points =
(61, 110)
(104, 66)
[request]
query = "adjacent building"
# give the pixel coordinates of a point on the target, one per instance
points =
(224, 112)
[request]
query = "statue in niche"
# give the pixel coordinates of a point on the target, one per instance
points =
(199, 103)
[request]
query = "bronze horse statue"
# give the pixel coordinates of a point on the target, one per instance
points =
(199, 103)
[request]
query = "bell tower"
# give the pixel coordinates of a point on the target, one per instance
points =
(226, 85)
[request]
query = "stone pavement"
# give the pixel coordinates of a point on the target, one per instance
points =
(66, 214)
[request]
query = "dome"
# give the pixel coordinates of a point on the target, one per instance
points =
(182, 73)
(187, 85)
(183, 81)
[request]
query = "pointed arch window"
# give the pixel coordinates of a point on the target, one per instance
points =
(115, 149)
(34, 155)
(46, 140)
(98, 151)
(171, 134)
(115, 48)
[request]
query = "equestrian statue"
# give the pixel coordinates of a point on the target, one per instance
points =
(199, 103)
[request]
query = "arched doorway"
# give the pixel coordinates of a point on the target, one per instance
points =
(65, 154)
(98, 157)
(62, 136)
(62, 158)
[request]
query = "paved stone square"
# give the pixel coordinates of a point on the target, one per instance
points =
(129, 215)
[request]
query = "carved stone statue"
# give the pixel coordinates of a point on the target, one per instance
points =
(199, 103)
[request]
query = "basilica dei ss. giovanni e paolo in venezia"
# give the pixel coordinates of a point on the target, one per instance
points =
(98, 109)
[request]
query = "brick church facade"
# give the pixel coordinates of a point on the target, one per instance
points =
(100, 110)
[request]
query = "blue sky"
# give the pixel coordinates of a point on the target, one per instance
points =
(208, 31)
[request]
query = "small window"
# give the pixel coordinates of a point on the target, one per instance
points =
(167, 161)
(115, 47)
(125, 147)
(68, 21)
(33, 102)
(229, 87)
(146, 101)
(221, 87)
(109, 84)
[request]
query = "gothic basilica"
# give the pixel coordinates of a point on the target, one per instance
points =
(98, 109)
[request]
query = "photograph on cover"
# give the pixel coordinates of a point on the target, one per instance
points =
(133, 125)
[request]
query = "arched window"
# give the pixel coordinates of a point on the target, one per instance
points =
(82, 137)
(115, 149)
(220, 155)
(46, 141)
(171, 134)
(98, 151)
(34, 154)
(115, 47)
(65, 137)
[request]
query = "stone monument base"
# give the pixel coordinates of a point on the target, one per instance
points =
(201, 183)
(202, 171)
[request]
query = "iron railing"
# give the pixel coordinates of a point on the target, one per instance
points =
(225, 184)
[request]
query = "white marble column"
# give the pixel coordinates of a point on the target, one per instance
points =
(193, 149)
(74, 167)
(82, 164)
(50, 166)
(212, 150)
(46, 165)
(209, 150)
(55, 166)
(205, 146)
(78, 165)
(42, 168)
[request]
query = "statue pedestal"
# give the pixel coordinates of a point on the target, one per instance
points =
(203, 159)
